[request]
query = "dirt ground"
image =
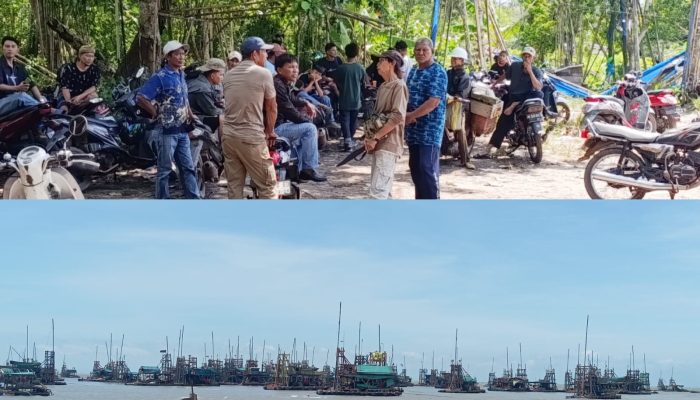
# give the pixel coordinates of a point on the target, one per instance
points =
(559, 176)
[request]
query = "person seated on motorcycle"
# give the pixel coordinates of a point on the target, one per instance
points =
(291, 123)
(525, 83)
(204, 95)
(234, 58)
(78, 80)
(457, 86)
(310, 87)
(14, 80)
(501, 66)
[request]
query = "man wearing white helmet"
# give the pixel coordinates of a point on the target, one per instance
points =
(457, 86)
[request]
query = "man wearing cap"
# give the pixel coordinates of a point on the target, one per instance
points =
(14, 80)
(78, 81)
(525, 83)
(204, 92)
(204, 95)
(164, 97)
(247, 131)
(234, 58)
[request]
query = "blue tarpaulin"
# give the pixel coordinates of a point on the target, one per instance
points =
(662, 74)
(665, 74)
(567, 88)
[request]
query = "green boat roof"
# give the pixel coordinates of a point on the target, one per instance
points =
(374, 369)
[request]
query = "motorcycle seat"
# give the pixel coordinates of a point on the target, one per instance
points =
(612, 99)
(623, 132)
(108, 123)
(18, 113)
(530, 102)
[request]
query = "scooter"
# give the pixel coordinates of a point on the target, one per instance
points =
(630, 107)
(39, 175)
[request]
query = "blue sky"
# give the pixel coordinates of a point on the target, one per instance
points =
(503, 273)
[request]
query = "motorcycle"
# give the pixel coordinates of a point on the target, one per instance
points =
(459, 143)
(557, 106)
(529, 116)
(665, 107)
(39, 175)
(21, 128)
(286, 171)
(630, 107)
(638, 161)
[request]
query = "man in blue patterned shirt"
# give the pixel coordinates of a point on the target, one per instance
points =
(164, 97)
(425, 120)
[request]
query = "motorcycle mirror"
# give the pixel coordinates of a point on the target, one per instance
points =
(140, 72)
(78, 125)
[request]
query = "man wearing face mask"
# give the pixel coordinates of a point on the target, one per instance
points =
(525, 83)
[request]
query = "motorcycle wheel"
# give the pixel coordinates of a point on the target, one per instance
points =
(607, 160)
(564, 113)
(84, 181)
(464, 147)
(535, 150)
(199, 171)
(651, 123)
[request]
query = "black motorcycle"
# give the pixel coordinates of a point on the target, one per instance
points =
(638, 161)
(528, 130)
(286, 171)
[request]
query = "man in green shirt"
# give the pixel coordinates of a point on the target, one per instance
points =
(350, 78)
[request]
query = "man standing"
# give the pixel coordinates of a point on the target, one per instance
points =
(246, 131)
(234, 58)
(331, 61)
(14, 81)
(350, 78)
(402, 48)
(525, 83)
(425, 120)
(164, 97)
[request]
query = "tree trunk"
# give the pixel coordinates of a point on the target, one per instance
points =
(145, 48)
(75, 41)
(634, 31)
(691, 73)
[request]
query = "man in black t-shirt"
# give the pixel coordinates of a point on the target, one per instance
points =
(501, 65)
(525, 83)
(331, 61)
(14, 80)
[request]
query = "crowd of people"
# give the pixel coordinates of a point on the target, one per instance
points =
(258, 94)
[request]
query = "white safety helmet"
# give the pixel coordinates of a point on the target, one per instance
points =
(459, 52)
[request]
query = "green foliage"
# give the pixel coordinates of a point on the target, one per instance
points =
(309, 24)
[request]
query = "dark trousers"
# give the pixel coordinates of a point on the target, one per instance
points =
(348, 124)
(424, 163)
(507, 122)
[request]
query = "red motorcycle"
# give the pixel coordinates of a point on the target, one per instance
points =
(665, 107)
(19, 129)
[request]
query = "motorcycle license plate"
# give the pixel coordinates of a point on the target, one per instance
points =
(534, 117)
(284, 188)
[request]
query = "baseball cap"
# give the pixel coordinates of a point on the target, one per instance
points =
(172, 46)
(252, 44)
(529, 50)
(213, 64)
(393, 55)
